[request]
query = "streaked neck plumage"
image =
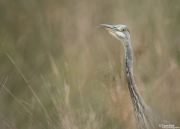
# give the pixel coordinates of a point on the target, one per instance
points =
(139, 105)
(135, 96)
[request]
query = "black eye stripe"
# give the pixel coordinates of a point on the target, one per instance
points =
(115, 28)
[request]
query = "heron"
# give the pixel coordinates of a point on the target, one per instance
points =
(145, 117)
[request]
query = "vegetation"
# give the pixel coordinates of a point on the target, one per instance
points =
(59, 70)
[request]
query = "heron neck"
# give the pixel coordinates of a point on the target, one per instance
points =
(137, 101)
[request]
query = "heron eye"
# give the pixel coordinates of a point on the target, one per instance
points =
(123, 29)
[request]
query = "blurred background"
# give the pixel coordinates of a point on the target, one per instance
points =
(60, 70)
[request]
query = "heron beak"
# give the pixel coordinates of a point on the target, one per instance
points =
(109, 28)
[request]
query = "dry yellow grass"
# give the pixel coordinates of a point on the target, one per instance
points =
(59, 70)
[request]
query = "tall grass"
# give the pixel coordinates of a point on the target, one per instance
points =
(59, 70)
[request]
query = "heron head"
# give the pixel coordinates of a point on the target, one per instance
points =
(120, 32)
